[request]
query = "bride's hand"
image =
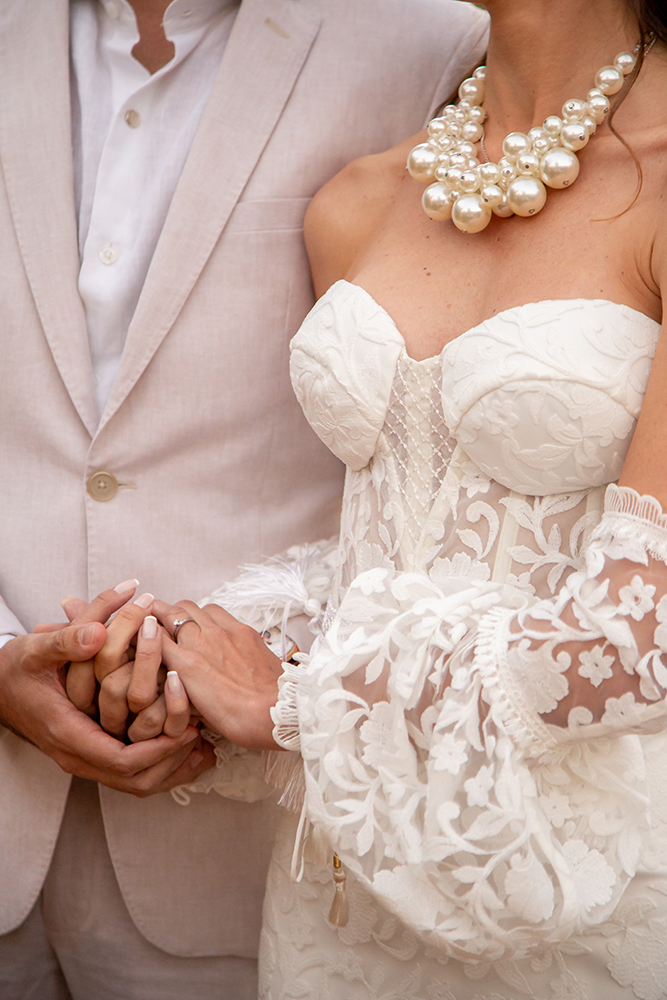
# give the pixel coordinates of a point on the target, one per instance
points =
(229, 673)
(158, 697)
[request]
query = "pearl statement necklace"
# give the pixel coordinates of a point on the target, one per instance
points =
(469, 192)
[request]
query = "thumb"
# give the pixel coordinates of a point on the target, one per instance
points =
(76, 643)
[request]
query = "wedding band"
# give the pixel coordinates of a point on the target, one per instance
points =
(178, 625)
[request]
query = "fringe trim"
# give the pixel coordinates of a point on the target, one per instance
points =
(284, 713)
(629, 517)
(524, 726)
(286, 772)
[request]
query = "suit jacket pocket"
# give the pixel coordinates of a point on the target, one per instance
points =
(267, 215)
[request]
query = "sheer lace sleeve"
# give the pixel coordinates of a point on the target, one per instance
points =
(469, 753)
(590, 662)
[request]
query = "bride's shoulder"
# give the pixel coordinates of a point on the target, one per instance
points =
(346, 214)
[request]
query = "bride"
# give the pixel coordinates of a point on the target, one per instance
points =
(477, 738)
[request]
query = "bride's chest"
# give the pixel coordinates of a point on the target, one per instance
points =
(542, 397)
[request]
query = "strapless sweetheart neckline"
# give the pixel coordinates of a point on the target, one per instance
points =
(483, 323)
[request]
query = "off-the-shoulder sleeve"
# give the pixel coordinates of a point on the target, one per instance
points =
(469, 754)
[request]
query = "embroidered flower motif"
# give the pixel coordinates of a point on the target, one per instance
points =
(474, 481)
(478, 788)
(636, 599)
(623, 712)
(595, 665)
(556, 808)
(449, 754)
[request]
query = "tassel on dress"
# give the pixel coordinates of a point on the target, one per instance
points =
(340, 910)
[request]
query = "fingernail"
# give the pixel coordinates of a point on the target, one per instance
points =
(149, 627)
(196, 757)
(144, 601)
(65, 600)
(126, 586)
(86, 635)
(174, 684)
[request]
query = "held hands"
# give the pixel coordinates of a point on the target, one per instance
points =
(230, 676)
(34, 703)
(123, 686)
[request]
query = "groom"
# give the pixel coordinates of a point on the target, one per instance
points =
(157, 160)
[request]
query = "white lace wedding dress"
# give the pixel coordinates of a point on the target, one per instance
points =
(482, 725)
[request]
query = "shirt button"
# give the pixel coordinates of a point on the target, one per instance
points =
(108, 255)
(133, 118)
(102, 486)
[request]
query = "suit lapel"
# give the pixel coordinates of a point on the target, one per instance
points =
(36, 158)
(264, 55)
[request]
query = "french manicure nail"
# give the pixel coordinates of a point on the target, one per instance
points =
(65, 600)
(174, 684)
(126, 586)
(87, 634)
(144, 601)
(149, 627)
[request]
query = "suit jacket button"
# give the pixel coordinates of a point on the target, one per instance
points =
(102, 486)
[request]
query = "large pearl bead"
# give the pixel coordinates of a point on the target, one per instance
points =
(477, 114)
(528, 163)
(472, 131)
(526, 196)
(598, 105)
(573, 109)
(437, 127)
(574, 136)
(469, 182)
(470, 214)
(422, 161)
(453, 178)
(609, 79)
(473, 88)
(552, 125)
(625, 61)
(480, 73)
(489, 173)
(467, 148)
(492, 195)
(515, 144)
(559, 168)
(436, 202)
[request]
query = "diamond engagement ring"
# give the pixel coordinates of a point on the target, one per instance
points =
(178, 625)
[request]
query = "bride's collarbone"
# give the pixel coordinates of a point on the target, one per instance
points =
(436, 282)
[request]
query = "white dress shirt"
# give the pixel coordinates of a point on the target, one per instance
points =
(132, 134)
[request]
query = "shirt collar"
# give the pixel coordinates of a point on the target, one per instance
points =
(181, 16)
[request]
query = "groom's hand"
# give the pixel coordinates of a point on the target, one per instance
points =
(34, 704)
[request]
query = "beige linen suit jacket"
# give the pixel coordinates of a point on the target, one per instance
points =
(214, 461)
